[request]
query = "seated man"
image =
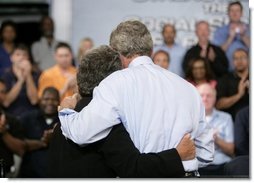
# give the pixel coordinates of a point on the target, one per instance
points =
(37, 125)
(115, 155)
(223, 128)
(233, 88)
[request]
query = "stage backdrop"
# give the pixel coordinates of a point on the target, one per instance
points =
(97, 18)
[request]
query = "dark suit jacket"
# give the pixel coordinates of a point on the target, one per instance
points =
(113, 156)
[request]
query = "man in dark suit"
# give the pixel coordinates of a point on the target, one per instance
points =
(116, 154)
(214, 55)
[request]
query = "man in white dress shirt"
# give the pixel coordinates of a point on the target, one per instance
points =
(43, 50)
(156, 106)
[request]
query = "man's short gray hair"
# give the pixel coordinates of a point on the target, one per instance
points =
(131, 38)
(96, 65)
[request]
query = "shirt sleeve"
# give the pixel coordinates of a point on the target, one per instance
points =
(204, 140)
(95, 121)
(220, 63)
(229, 130)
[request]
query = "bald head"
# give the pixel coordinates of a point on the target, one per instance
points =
(208, 95)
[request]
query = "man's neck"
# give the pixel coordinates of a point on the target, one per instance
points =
(49, 40)
(208, 112)
(170, 44)
(203, 43)
(126, 61)
(8, 46)
(236, 22)
(64, 69)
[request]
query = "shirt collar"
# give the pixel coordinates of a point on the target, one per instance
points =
(141, 60)
(214, 114)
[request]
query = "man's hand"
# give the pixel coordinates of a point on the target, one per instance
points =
(186, 148)
(69, 102)
(2, 123)
(47, 135)
(211, 54)
(243, 84)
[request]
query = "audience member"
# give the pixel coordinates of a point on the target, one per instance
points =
(222, 125)
(233, 88)
(175, 50)
(10, 133)
(38, 125)
(115, 155)
(214, 55)
(62, 76)
(84, 45)
(7, 44)
(161, 58)
(178, 105)
(198, 72)
(21, 82)
(242, 138)
(235, 35)
(43, 50)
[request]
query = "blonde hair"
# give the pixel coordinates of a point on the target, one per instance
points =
(80, 52)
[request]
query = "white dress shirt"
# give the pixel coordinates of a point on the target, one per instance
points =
(156, 107)
(43, 54)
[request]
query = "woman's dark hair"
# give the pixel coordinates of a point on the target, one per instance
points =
(189, 72)
(5, 24)
(96, 65)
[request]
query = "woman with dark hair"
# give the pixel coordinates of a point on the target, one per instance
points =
(7, 44)
(198, 72)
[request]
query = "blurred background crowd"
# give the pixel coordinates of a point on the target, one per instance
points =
(37, 71)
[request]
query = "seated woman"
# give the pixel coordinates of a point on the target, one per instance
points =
(115, 155)
(198, 72)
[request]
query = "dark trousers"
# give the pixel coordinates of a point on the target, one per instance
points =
(210, 171)
(238, 167)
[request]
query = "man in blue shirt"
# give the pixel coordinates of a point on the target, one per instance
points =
(176, 51)
(234, 35)
(222, 125)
